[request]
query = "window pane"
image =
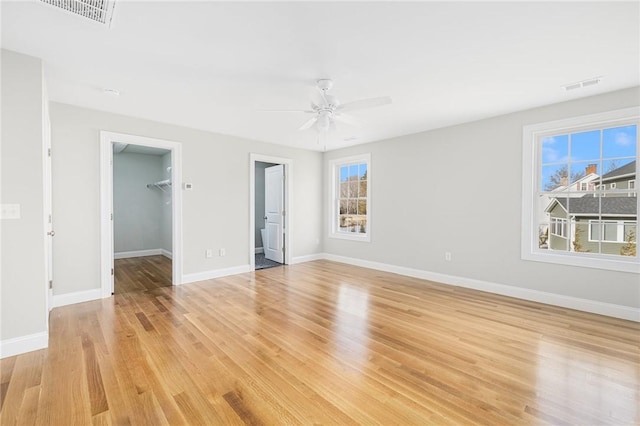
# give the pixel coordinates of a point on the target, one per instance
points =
(362, 207)
(610, 231)
(595, 231)
(353, 187)
(343, 206)
(362, 174)
(363, 189)
(558, 233)
(583, 171)
(617, 167)
(585, 146)
(555, 149)
(344, 223)
(630, 239)
(344, 173)
(554, 177)
(543, 236)
(619, 142)
(344, 189)
(352, 207)
(353, 171)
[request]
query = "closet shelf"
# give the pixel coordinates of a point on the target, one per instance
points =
(161, 184)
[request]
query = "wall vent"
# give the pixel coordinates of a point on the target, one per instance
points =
(100, 11)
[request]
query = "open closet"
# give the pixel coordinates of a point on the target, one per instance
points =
(142, 222)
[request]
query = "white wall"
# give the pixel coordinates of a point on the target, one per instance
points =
(23, 277)
(458, 189)
(259, 202)
(137, 210)
(215, 212)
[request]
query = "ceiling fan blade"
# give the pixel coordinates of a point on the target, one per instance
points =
(365, 103)
(306, 111)
(308, 123)
(346, 119)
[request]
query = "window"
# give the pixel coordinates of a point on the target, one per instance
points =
(559, 227)
(350, 198)
(632, 185)
(612, 231)
(562, 224)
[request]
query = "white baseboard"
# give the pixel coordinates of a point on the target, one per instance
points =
(22, 344)
(76, 297)
(586, 305)
(137, 253)
(166, 253)
(216, 273)
(259, 250)
(308, 258)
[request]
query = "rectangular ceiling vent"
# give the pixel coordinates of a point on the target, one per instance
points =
(100, 11)
(584, 83)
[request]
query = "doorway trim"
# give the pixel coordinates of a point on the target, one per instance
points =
(288, 197)
(106, 203)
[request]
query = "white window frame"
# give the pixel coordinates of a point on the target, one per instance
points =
(559, 221)
(584, 186)
(333, 173)
(531, 134)
(632, 185)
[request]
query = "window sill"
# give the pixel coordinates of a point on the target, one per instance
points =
(340, 236)
(612, 263)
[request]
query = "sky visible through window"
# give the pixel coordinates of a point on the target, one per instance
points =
(609, 149)
(351, 171)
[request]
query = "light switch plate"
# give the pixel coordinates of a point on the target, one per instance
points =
(10, 211)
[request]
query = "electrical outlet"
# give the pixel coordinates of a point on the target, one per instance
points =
(208, 253)
(223, 252)
(10, 211)
(447, 256)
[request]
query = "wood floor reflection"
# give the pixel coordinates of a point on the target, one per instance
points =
(324, 343)
(141, 273)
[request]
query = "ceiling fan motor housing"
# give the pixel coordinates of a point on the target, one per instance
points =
(325, 84)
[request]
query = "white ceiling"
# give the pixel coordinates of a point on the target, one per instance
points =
(215, 65)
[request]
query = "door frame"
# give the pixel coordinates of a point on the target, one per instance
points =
(288, 202)
(106, 203)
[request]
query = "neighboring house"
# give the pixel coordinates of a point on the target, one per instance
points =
(622, 178)
(602, 222)
(574, 190)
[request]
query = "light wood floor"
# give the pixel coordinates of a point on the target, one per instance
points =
(324, 343)
(141, 273)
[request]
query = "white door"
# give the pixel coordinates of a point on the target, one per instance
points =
(111, 257)
(48, 211)
(274, 211)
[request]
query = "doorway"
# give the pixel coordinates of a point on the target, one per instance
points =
(269, 204)
(270, 231)
(142, 181)
(127, 246)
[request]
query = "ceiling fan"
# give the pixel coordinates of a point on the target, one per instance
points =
(326, 109)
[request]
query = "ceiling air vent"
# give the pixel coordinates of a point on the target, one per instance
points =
(100, 11)
(581, 84)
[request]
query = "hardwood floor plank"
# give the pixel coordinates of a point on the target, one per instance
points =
(321, 343)
(142, 273)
